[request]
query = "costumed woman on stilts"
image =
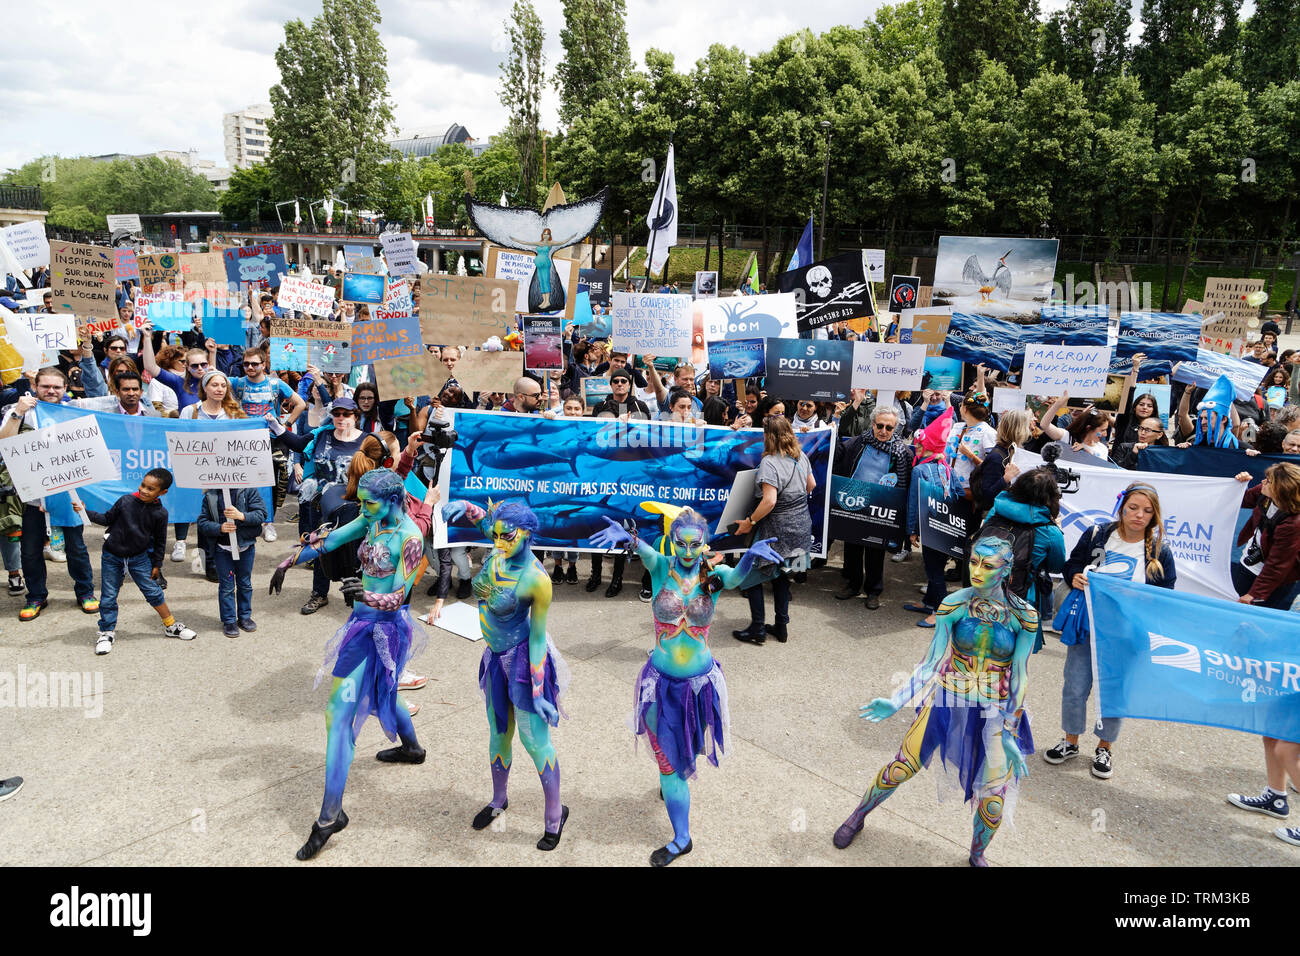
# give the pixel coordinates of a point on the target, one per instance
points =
(972, 685)
(366, 656)
(680, 701)
(522, 675)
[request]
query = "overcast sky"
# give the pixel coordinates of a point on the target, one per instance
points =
(133, 77)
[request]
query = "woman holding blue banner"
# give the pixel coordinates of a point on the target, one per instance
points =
(972, 685)
(1134, 545)
(680, 700)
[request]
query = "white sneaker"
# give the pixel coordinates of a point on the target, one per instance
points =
(197, 564)
(409, 681)
(104, 643)
(180, 632)
(52, 555)
(178, 551)
(900, 556)
(268, 532)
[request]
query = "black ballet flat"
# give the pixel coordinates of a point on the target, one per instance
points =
(483, 819)
(401, 755)
(663, 856)
(550, 841)
(320, 834)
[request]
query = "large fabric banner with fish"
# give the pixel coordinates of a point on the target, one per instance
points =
(575, 472)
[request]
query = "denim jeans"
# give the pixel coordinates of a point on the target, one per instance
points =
(1074, 695)
(113, 569)
(460, 558)
(12, 549)
(235, 585)
(33, 550)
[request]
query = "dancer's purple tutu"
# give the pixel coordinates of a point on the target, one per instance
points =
(961, 736)
(384, 642)
(506, 674)
(692, 717)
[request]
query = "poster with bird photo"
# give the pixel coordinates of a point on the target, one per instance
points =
(1007, 279)
(833, 290)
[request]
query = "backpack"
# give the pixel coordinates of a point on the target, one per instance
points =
(977, 496)
(1023, 575)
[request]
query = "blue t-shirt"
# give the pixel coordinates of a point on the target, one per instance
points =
(260, 398)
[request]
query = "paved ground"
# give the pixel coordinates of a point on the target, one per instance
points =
(212, 752)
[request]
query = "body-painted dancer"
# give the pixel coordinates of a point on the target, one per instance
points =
(680, 701)
(972, 683)
(367, 654)
(522, 675)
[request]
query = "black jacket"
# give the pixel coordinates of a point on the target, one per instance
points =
(134, 528)
(247, 500)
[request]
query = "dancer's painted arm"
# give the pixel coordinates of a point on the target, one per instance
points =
(946, 616)
(538, 590)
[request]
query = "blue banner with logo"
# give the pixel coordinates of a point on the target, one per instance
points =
(138, 444)
(870, 508)
(575, 472)
(1167, 655)
(944, 522)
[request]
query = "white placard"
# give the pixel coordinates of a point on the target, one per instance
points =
(233, 459)
(1056, 369)
(460, 619)
(740, 501)
(27, 243)
(399, 250)
(58, 458)
(300, 295)
(648, 323)
(888, 365)
(1008, 399)
(52, 333)
(128, 221)
(873, 264)
(735, 317)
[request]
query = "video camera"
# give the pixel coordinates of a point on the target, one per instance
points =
(1065, 478)
(436, 440)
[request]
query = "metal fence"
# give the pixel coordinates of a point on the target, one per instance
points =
(21, 197)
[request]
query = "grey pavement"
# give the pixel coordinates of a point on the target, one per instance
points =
(212, 751)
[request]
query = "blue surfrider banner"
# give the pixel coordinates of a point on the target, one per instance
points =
(575, 472)
(138, 445)
(1168, 655)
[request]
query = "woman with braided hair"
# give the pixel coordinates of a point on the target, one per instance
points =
(367, 654)
(680, 701)
(1133, 545)
(972, 685)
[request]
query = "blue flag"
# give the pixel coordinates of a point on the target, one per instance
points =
(139, 444)
(1169, 655)
(803, 252)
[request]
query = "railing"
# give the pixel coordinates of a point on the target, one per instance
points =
(21, 197)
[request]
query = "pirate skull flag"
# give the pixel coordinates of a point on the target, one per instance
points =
(833, 290)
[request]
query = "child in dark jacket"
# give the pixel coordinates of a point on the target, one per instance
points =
(244, 515)
(136, 539)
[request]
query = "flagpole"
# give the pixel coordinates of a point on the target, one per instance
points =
(650, 252)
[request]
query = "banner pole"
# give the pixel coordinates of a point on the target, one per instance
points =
(234, 537)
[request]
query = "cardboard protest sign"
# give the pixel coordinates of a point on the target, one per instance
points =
(543, 350)
(360, 258)
(375, 340)
(299, 295)
(171, 315)
(741, 358)
(819, 369)
(599, 283)
(144, 300)
(19, 339)
(742, 317)
(52, 333)
(1056, 369)
(520, 266)
(288, 354)
(648, 323)
(1008, 399)
(889, 366)
(158, 268)
(82, 279)
(124, 265)
(594, 390)
(26, 244)
(58, 458)
(399, 251)
(261, 265)
(903, 292)
(223, 322)
(589, 324)
(410, 375)
(977, 339)
(329, 344)
(101, 326)
(1228, 334)
(204, 268)
(397, 303)
(220, 459)
(130, 222)
(363, 288)
(479, 371)
(833, 290)
(1001, 278)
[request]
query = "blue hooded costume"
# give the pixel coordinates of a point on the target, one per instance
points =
(1218, 406)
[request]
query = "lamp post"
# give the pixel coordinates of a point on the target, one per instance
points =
(826, 178)
(627, 245)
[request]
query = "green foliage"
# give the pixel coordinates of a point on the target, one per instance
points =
(522, 77)
(596, 55)
(251, 190)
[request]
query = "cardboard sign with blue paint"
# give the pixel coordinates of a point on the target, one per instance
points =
(354, 257)
(737, 359)
(169, 316)
(375, 341)
(817, 369)
(289, 355)
(222, 322)
(359, 287)
(262, 265)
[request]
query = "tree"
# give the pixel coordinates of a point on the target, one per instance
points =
(84, 187)
(332, 117)
(971, 31)
(1053, 131)
(1271, 44)
(1277, 110)
(1088, 41)
(1127, 168)
(522, 77)
(250, 191)
(1177, 36)
(596, 54)
(980, 180)
(901, 32)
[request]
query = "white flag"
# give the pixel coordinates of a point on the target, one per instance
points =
(328, 205)
(503, 197)
(297, 214)
(662, 218)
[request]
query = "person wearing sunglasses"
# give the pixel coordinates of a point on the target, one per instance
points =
(259, 394)
(876, 456)
(1149, 432)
